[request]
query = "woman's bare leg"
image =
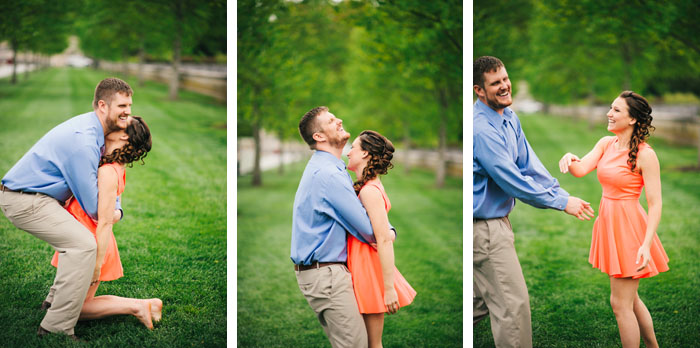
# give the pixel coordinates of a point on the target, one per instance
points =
(108, 305)
(646, 325)
(375, 325)
(623, 293)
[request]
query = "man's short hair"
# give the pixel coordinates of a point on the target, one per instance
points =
(309, 125)
(108, 87)
(483, 65)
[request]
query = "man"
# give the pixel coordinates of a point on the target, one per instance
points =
(63, 163)
(505, 167)
(325, 207)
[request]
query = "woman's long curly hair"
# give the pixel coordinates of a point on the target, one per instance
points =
(380, 151)
(136, 149)
(639, 110)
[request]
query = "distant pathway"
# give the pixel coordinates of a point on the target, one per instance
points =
(6, 69)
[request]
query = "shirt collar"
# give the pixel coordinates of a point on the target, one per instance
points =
(327, 156)
(100, 131)
(494, 117)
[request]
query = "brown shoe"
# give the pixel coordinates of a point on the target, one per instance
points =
(43, 332)
(45, 305)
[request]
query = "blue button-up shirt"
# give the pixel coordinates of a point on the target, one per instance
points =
(505, 167)
(325, 207)
(63, 162)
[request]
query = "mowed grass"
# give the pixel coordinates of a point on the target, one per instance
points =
(172, 240)
(272, 312)
(570, 299)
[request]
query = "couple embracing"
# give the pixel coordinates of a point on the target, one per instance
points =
(624, 242)
(66, 190)
(342, 241)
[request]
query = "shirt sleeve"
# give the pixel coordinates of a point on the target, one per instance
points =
(81, 176)
(532, 185)
(344, 201)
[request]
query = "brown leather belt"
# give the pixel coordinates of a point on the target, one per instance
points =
(7, 189)
(315, 265)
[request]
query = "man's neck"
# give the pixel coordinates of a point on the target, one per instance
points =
(337, 152)
(499, 111)
(103, 121)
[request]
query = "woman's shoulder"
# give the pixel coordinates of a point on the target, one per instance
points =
(372, 187)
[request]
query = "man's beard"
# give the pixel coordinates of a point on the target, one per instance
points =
(494, 104)
(111, 123)
(338, 142)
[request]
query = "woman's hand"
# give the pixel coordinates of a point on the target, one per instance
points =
(391, 300)
(645, 255)
(95, 276)
(566, 161)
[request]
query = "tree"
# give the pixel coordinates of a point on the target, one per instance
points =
(426, 41)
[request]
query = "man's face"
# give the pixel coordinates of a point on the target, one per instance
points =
(332, 129)
(496, 91)
(118, 111)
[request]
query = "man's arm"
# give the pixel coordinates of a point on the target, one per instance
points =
(344, 201)
(496, 160)
(80, 172)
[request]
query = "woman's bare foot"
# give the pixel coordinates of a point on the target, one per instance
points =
(156, 309)
(144, 313)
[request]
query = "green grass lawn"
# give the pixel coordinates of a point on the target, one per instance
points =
(272, 312)
(172, 240)
(570, 299)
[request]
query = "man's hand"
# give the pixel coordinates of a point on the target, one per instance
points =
(579, 208)
(95, 276)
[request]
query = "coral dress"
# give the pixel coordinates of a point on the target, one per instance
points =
(621, 225)
(112, 265)
(366, 270)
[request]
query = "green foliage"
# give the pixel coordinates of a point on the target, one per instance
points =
(172, 240)
(377, 67)
(590, 50)
(570, 300)
(272, 312)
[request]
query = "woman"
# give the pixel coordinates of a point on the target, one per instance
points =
(379, 287)
(121, 148)
(624, 243)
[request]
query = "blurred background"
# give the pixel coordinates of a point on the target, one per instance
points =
(568, 61)
(180, 42)
(394, 66)
(573, 58)
(391, 66)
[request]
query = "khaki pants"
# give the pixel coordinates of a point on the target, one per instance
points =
(499, 286)
(44, 218)
(329, 292)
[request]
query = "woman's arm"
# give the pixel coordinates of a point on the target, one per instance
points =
(372, 199)
(580, 167)
(107, 182)
(649, 165)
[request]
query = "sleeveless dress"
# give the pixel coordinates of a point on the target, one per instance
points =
(366, 270)
(112, 265)
(619, 230)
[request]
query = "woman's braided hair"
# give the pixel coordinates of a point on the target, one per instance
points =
(639, 110)
(136, 149)
(380, 151)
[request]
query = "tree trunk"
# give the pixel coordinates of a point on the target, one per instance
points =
(281, 167)
(627, 59)
(13, 80)
(407, 147)
(142, 59)
(257, 176)
(177, 43)
(442, 147)
(27, 65)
